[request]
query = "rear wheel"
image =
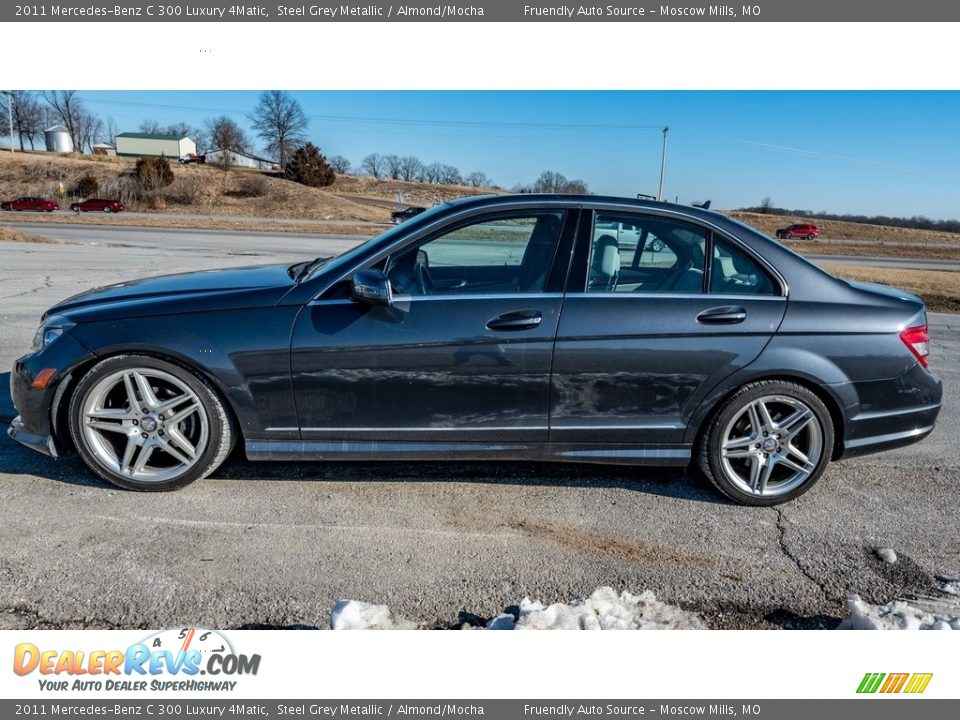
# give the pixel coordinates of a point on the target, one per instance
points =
(142, 423)
(107, 209)
(769, 443)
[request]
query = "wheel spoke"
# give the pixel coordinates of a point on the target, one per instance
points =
(740, 442)
(169, 448)
(767, 421)
(738, 452)
(767, 470)
(805, 465)
(128, 452)
(132, 401)
(756, 465)
(796, 422)
(109, 414)
(104, 426)
(182, 415)
(168, 405)
(145, 452)
(181, 442)
(146, 392)
(755, 423)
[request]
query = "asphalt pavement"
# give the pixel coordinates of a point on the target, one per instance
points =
(276, 545)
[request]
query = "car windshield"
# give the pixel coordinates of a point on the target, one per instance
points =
(346, 258)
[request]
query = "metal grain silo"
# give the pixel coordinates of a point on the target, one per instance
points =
(58, 139)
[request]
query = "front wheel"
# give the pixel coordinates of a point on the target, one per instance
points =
(107, 209)
(142, 423)
(769, 443)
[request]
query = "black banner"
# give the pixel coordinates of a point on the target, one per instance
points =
(486, 10)
(152, 707)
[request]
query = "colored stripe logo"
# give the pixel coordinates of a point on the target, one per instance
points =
(913, 683)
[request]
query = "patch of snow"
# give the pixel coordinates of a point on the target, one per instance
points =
(887, 555)
(604, 609)
(919, 614)
(950, 585)
(356, 615)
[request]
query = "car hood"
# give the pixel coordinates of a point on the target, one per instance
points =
(213, 288)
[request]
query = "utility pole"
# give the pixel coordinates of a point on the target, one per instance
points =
(663, 162)
(9, 94)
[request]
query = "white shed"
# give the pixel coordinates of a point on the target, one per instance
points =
(151, 145)
(241, 159)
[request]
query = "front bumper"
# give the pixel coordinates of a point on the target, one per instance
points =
(36, 424)
(41, 443)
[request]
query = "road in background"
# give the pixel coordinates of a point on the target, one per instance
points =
(274, 544)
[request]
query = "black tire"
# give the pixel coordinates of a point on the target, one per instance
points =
(219, 438)
(107, 209)
(709, 455)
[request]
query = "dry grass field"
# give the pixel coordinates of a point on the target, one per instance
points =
(838, 230)
(940, 289)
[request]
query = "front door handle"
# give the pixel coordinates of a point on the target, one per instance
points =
(725, 315)
(519, 320)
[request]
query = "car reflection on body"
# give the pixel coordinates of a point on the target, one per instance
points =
(534, 327)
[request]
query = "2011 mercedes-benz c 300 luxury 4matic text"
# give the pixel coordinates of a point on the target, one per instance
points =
(510, 327)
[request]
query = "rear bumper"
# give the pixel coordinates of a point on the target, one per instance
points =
(41, 443)
(893, 413)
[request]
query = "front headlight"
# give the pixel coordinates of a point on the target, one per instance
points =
(52, 328)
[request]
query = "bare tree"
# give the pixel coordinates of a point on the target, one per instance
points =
(477, 179)
(765, 205)
(431, 173)
(339, 164)
(449, 175)
(393, 164)
(111, 131)
(227, 136)
(410, 167)
(89, 129)
(150, 127)
(67, 108)
(373, 165)
(26, 112)
(279, 120)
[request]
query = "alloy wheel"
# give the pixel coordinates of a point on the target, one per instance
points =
(771, 446)
(144, 424)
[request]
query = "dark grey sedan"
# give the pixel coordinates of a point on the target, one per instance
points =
(532, 327)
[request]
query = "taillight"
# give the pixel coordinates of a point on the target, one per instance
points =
(918, 340)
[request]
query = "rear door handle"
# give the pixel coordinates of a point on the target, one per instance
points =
(726, 315)
(519, 320)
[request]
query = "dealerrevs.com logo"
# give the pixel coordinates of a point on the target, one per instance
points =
(169, 660)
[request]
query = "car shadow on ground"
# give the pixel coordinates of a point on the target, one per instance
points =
(668, 482)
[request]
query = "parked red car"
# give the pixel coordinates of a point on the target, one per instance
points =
(37, 204)
(799, 230)
(97, 205)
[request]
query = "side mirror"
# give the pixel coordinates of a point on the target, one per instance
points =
(372, 287)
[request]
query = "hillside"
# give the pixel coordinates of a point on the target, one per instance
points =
(839, 230)
(205, 189)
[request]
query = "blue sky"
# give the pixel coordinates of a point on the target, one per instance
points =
(894, 153)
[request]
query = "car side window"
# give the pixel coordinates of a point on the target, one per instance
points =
(645, 254)
(501, 255)
(733, 272)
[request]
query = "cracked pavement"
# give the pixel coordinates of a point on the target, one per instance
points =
(276, 545)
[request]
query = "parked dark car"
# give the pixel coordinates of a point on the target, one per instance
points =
(36, 204)
(799, 230)
(492, 328)
(97, 205)
(408, 212)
